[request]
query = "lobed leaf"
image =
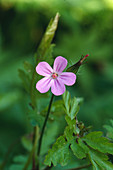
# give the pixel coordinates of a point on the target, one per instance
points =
(99, 160)
(97, 142)
(71, 123)
(61, 150)
(59, 153)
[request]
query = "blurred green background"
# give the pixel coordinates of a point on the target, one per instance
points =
(85, 27)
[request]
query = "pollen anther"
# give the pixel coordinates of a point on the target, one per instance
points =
(54, 75)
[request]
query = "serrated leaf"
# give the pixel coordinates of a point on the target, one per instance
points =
(100, 159)
(59, 153)
(83, 146)
(97, 142)
(77, 150)
(69, 134)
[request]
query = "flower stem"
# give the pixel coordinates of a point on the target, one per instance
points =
(44, 125)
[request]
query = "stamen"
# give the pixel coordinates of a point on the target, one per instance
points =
(54, 75)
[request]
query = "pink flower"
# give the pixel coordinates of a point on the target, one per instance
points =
(54, 78)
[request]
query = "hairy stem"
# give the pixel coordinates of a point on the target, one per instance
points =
(44, 125)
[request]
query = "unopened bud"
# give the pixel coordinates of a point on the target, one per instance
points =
(74, 68)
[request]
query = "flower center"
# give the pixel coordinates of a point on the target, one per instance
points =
(54, 75)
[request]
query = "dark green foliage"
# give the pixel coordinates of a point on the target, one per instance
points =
(109, 129)
(44, 53)
(19, 162)
(96, 146)
(85, 27)
(97, 142)
(81, 143)
(71, 105)
(99, 160)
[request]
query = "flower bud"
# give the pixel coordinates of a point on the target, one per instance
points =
(74, 68)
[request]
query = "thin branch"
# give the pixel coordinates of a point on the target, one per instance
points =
(43, 128)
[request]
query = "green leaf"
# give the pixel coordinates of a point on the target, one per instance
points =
(109, 129)
(71, 105)
(95, 166)
(47, 39)
(56, 110)
(74, 108)
(48, 57)
(67, 100)
(49, 137)
(28, 67)
(80, 100)
(61, 150)
(25, 80)
(83, 146)
(71, 123)
(77, 150)
(59, 153)
(97, 142)
(99, 160)
(43, 54)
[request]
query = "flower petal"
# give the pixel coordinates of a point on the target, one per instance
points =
(43, 85)
(60, 64)
(67, 78)
(44, 69)
(57, 87)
